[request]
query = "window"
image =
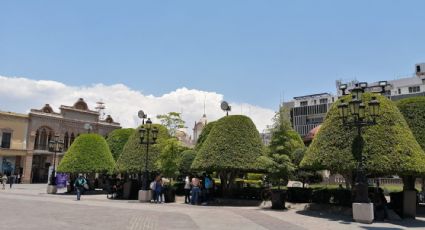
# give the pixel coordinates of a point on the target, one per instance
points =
(399, 91)
(324, 101)
(304, 103)
(418, 69)
(315, 102)
(5, 140)
(414, 89)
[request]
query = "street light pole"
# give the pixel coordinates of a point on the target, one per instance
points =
(55, 146)
(146, 131)
(357, 118)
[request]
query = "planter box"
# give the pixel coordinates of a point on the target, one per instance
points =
(363, 212)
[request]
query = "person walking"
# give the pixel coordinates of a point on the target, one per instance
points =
(195, 191)
(187, 188)
(11, 180)
(79, 184)
(4, 180)
(158, 190)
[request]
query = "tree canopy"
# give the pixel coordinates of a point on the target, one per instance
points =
(132, 159)
(185, 161)
(89, 153)
(232, 144)
(389, 146)
(172, 121)
(168, 159)
(413, 110)
(117, 139)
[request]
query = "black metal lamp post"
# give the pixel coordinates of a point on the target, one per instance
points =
(353, 114)
(146, 131)
(55, 146)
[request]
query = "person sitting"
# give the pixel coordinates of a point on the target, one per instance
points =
(380, 203)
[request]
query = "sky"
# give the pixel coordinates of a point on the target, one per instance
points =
(252, 53)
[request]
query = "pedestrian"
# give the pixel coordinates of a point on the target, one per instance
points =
(11, 180)
(195, 191)
(207, 185)
(158, 190)
(187, 188)
(4, 180)
(80, 184)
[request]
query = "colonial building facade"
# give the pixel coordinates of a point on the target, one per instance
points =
(25, 138)
(13, 137)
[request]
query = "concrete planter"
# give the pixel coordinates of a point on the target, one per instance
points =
(52, 189)
(363, 212)
(278, 199)
(145, 196)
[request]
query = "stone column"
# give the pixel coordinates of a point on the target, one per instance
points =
(26, 176)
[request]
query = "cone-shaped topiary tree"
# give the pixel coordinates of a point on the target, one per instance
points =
(204, 134)
(89, 153)
(132, 159)
(185, 161)
(117, 139)
(413, 110)
(389, 146)
(233, 146)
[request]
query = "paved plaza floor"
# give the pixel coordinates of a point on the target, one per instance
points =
(29, 207)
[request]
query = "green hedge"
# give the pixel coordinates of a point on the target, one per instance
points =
(89, 153)
(389, 146)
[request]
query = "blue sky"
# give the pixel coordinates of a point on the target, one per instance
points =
(249, 51)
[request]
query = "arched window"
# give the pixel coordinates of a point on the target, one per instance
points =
(43, 140)
(66, 141)
(37, 138)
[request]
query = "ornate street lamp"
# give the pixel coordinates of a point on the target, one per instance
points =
(55, 146)
(353, 114)
(145, 139)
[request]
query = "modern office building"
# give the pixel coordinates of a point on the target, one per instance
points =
(309, 111)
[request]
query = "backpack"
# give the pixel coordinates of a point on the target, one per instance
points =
(208, 183)
(152, 185)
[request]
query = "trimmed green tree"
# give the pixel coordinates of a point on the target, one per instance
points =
(413, 110)
(133, 157)
(169, 157)
(89, 153)
(185, 161)
(389, 146)
(117, 139)
(232, 147)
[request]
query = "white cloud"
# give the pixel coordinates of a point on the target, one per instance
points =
(122, 103)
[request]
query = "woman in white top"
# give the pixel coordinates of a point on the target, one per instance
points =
(187, 188)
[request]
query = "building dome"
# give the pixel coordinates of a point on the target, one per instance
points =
(47, 109)
(311, 134)
(81, 104)
(109, 119)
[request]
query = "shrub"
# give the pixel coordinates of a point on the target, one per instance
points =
(117, 139)
(89, 153)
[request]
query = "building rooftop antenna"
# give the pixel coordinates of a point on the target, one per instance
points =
(100, 108)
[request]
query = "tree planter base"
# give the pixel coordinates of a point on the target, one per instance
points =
(145, 196)
(363, 212)
(278, 200)
(52, 189)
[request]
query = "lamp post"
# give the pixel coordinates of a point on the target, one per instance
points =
(354, 114)
(55, 146)
(145, 139)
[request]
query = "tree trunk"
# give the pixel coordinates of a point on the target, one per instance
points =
(409, 182)
(348, 180)
(227, 182)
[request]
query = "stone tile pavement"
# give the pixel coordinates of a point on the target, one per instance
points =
(29, 207)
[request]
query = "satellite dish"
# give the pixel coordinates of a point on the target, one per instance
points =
(225, 106)
(87, 126)
(141, 114)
